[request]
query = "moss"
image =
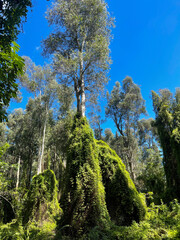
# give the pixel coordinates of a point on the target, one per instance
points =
(41, 204)
(124, 203)
(83, 198)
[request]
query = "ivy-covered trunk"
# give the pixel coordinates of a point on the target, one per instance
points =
(83, 197)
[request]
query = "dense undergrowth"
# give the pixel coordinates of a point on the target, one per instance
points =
(99, 200)
(163, 222)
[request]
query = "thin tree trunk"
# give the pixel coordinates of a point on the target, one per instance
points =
(132, 173)
(83, 98)
(39, 160)
(76, 88)
(18, 173)
(78, 102)
(42, 146)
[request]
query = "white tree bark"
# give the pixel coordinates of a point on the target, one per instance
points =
(18, 173)
(83, 98)
(41, 148)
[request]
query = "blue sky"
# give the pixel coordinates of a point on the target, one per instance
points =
(146, 44)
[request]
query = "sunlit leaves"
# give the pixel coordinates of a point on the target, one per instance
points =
(11, 65)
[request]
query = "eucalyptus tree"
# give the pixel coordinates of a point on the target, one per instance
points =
(151, 176)
(147, 132)
(124, 107)
(23, 138)
(42, 83)
(80, 46)
(109, 136)
(15, 154)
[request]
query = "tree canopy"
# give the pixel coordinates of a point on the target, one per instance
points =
(80, 45)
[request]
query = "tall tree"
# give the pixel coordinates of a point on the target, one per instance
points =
(40, 81)
(125, 105)
(80, 45)
(151, 177)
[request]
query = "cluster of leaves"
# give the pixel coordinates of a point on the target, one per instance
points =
(11, 66)
(11, 14)
(3, 167)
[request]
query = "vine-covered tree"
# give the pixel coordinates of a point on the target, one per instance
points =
(167, 110)
(80, 45)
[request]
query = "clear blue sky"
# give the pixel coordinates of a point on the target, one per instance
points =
(146, 44)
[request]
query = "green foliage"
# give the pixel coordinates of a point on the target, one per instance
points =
(11, 66)
(41, 204)
(83, 197)
(152, 176)
(3, 167)
(14, 231)
(124, 203)
(44, 232)
(124, 106)
(11, 231)
(12, 11)
(162, 222)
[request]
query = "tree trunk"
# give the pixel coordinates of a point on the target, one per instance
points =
(78, 102)
(83, 98)
(76, 88)
(42, 146)
(18, 173)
